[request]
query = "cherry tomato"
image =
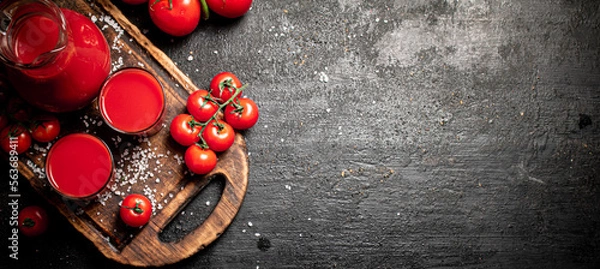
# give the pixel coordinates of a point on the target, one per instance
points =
(199, 160)
(222, 86)
(136, 210)
(134, 2)
(33, 221)
(200, 107)
(229, 8)
(218, 135)
(3, 120)
(15, 137)
(184, 130)
(241, 115)
(175, 17)
(45, 128)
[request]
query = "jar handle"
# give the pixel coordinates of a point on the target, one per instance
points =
(5, 20)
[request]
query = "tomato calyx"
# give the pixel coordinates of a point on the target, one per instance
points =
(15, 131)
(170, 4)
(136, 209)
(214, 118)
(28, 222)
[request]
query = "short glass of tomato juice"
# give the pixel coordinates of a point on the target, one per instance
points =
(79, 166)
(132, 102)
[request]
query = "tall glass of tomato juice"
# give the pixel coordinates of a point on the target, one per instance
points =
(132, 101)
(79, 166)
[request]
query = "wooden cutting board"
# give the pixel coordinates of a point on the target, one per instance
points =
(152, 166)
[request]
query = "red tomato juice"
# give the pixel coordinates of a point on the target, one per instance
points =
(79, 165)
(132, 101)
(59, 78)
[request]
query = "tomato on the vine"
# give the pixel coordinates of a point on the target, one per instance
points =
(33, 221)
(45, 128)
(184, 129)
(15, 137)
(175, 17)
(218, 135)
(200, 105)
(229, 8)
(136, 210)
(223, 85)
(241, 115)
(200, 160)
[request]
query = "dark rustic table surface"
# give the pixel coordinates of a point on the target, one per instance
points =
(394, 134)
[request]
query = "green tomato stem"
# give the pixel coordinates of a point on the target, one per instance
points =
(237, 92)
(205, 10)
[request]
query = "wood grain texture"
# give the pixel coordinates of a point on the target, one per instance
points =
(396, 134)
(149, 165)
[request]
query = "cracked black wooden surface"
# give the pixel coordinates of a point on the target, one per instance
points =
(397, 134)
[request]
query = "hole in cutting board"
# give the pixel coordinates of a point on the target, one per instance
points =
(195, 212)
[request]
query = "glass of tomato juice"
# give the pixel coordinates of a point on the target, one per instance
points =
(132, 101)
(79, 166)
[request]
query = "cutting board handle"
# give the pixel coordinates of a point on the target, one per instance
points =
(146, 248)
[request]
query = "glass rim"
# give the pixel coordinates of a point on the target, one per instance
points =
(102, 188)
(44, 58)
(145, 131)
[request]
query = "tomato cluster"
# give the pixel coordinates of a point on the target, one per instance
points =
(20, 124)
(213, 119)
(181, 17)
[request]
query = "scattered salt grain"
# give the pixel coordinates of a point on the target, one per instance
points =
(250, 224)
(190, 58)
(323, 77)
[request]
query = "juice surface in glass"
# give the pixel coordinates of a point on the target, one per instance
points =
(57, 58)
(132, 101)
(79, 165)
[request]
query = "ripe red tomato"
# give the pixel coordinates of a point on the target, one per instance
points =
(229, 8)
(15, 137)
(200, 107)
(218, 135)
(45, 128)
(199, 160)
(184, 130)
(134, 2)
(136, 210)
(222, 86)
(241, 115)
(33, 221)
(175, 17)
